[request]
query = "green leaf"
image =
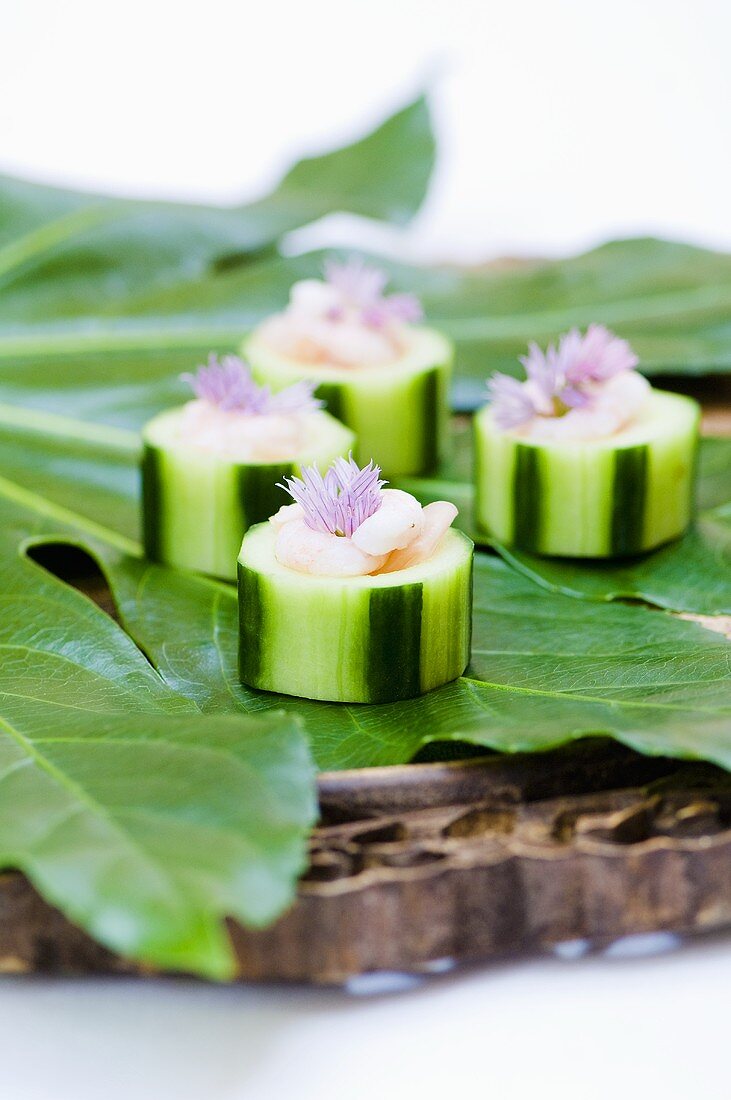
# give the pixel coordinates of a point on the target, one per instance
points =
(693, 574)
(143, 820)
(670, 300)
(546, 669)
(92, 469)
(120, 366)
(67, 254)
(148, 805)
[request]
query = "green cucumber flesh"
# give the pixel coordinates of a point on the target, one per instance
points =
(354, 639)
(611, 497)
(399, 411)
(197, 506)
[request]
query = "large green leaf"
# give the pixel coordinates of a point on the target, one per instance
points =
(76, 270)
(545, 669)
(94, 471)
(148, 807)
(120, 365)
(670, 300)
(144, 820)
(66, 254)
(693, 574)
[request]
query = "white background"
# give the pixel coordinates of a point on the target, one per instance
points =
(561, 122)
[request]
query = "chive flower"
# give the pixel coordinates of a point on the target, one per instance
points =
(561, 378)
(361, 288)
(228, 384)
(340, 501)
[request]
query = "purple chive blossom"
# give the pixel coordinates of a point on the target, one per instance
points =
(405, 308)
(228, 384)
(362, 287)
(596, 356)
(560, 378)
(356, 280)
(511, 402)
(341, 500)
(543, 369)
(293, 399)
(547, 377)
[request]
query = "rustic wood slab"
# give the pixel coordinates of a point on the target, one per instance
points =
(417, 865)
(466, 861)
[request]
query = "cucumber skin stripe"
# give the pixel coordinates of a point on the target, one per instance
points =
(431, 397)
(251, 626)
(151, 504)
(527, 493)
(259, 495)
(430, 420)
(257, 498)
(629, 499)
(394, 643)
(332, 394)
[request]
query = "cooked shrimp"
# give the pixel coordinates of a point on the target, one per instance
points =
(241, 437)
(394, 526)
(616, 403)
(308, 551)
(437, 518)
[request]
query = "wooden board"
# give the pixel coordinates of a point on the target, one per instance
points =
(484, 858)
(417, 865)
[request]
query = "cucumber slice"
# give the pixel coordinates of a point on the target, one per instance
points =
(399, 412)
(610, 498)
(354, 639)
(196, 506)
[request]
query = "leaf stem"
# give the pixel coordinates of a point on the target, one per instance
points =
(67, 427)
(95, 341)
(684, 305)
(44, 507)
(18, 253)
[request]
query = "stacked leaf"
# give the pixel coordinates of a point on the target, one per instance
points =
(144, 821)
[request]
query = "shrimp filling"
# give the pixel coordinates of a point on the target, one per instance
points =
(582, 389)
(344, 321)
(346, 524)
(234, 418)
(242, 437)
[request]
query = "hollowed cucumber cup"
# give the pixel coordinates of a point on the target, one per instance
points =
(610, 498)
(399, 411)
(372, 639)
(197, 506)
